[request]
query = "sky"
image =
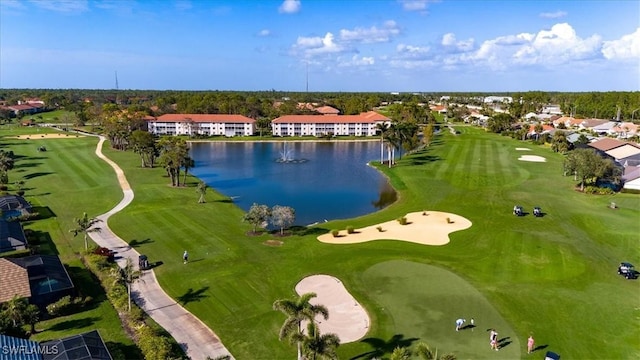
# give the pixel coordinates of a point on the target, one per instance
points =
(321, 45)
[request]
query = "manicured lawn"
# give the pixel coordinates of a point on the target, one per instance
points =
(65, 181)
(553, 276)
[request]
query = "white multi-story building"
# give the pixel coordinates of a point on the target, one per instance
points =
(364, 124)
(202, 124)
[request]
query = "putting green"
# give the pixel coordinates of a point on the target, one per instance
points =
(422, 302)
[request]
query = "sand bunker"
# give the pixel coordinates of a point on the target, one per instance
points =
(429, 229)
(347, 318)
(523, 149)
(46, 136)
(532, 158)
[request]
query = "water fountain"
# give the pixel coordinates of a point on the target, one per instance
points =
(286, 155)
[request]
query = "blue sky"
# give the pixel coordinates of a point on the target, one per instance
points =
(346, 45)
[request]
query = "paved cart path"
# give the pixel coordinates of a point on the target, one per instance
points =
(197, 340)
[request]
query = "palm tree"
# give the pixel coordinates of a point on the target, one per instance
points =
(85, 226)
(400, 353)
(382, 128)
(128, 275)
(424, 352)
(298, 310)
(31, 316)
(202, 190)
(14, 310)
(315, 345)
(187, 163)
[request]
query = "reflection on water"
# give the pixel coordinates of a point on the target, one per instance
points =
(387, 196)
(333, 181)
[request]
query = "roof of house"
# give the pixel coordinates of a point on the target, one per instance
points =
(26, 349)
(204, 118)
(327, 110)
(20, 107)
(624, 151)
(631, 174)
(606, 144)
(86, 346)
(589, 123)
(11, 236)
(46, 273)
(368, 117)
(545, 128)
(11, 202)
(14, 281)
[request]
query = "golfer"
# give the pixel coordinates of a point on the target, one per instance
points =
(185, 257)
(530, 343)
(459, 323)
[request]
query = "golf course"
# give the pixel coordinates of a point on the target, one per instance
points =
(552, 276)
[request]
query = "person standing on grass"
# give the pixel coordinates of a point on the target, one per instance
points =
(185, 256)
(459, 323)
(530, 343)
(494, 340)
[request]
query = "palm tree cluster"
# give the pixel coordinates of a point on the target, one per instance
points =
(311, 344)
(174, 156)
(397, 136)
(16, 313)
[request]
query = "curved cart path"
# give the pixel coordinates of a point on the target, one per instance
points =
(195, 338)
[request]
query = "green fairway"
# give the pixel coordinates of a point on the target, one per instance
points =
(553, 276)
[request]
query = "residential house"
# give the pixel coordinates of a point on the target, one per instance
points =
(327, 110)
(85, 346)
(588, 124)
(14, 206)
(440, 109)
(202, 124)
(40, 278)
(624, 130)
(364, 124)
(631, 178)
(605, 128)
(552, 109)
(12, 236)
(497, 99)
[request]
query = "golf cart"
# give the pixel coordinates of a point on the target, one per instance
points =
(518, 211)
(627, 270)
(143, 262)
(550, 355)
(537, 212)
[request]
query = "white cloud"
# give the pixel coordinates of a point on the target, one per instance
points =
(357, 61)
(290, 7)
(311, 46)
(63, 6)
(264, 33)
(553, 15)
(411, 52)
(372, 34)
(415, 5)
(450, 42)
(625, 48)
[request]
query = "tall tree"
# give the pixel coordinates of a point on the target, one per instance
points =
(144, 144)
(315, 345)
(202, 190)
(282, 216)
(6, 164)
(128, 275)
(173, 152)
(400, 353)
(298, 310)
(31, 316)
(257, 215)
(84, 225)
(587, 165)
(559, 142)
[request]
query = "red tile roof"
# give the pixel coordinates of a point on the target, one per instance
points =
(607, 144)
(14, 280)
(204, 118)
(327, 110)
(368, 117)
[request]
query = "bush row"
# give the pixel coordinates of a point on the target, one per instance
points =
(154, 346)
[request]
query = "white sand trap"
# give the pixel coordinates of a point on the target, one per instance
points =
(523, 149)
(347, 318)
(532, 158)
(429, 229)
(47, 136)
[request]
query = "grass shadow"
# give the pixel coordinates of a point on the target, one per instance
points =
(120, 351)
(36, 174)
(74, 324)
(40, 242)
(191, 295)
(44, 212)
(382, 347)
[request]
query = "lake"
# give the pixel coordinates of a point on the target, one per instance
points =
(320, 180)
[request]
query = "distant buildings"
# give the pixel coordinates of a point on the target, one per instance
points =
(364, 124)
(202, 124)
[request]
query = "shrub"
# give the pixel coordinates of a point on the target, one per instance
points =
(402, 220)
(60, 307)
(350, 230)
(598, 190)
(379, 228)
(335, 233)
(4, 187)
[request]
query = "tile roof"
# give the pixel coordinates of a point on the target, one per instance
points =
(14, 280)
(368, 117)
(327, 110)
(204, 118)
(607, 144)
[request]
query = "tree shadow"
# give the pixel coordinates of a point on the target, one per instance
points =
(136, 243)
(44, 212)
(40, 242)
(191, 295)
(382, 347)
(86, 284)
(122, 351)
(74, 324)
(35, 175)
